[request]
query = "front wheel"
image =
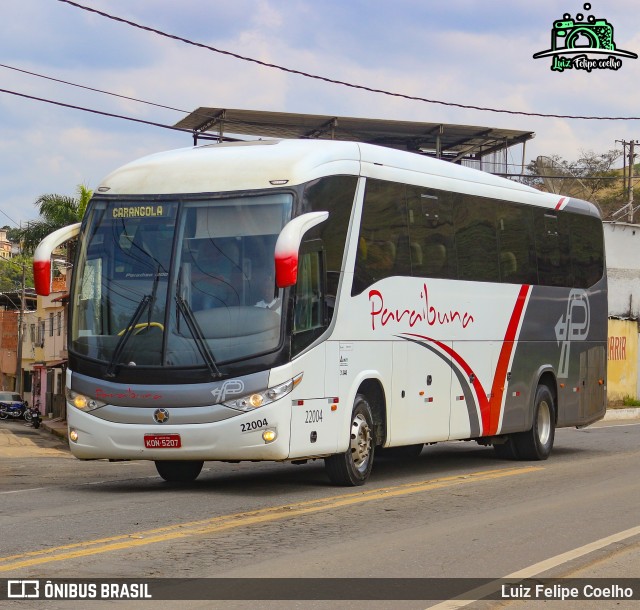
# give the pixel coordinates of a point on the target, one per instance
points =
(354, 466)
(28, 416)
(179, 471)
(536, 443)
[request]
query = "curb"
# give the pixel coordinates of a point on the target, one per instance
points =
(615, 414)
(58, 427)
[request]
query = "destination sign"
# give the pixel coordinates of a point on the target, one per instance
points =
(141, 211)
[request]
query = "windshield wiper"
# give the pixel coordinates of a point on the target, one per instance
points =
(198, 337)
(147, 301)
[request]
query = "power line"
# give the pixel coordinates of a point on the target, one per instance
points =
(66, 82)
(204, 115)
(9, 217)
(335, 81)
(99, 112)
(172, 128)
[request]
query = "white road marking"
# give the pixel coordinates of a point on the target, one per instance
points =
(533, 570)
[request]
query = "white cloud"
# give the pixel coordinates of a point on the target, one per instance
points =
(467, 52)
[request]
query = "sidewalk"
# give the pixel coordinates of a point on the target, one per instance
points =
(56, 426)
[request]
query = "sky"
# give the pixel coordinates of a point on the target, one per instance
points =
(471, 52)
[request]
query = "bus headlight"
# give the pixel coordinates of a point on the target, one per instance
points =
(260, 399)
(82, 402)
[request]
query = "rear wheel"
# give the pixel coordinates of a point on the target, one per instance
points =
(179, 471)
(3, 415)
(354, 466)
(536, 444)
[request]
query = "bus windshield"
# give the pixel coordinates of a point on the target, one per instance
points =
(178, 283)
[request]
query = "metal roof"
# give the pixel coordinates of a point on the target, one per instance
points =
(449, 141)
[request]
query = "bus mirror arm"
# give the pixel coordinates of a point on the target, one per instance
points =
(288, 246)
(42, 257)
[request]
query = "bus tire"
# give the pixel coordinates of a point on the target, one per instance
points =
(179, 471)
(536, 443)
(353, 467)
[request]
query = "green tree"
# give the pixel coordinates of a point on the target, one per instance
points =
(56, 211)
(591, 177)
(11, 273)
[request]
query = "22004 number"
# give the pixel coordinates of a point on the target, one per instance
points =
(313, 416)
(257, 424)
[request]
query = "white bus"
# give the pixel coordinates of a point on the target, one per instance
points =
(290, 300)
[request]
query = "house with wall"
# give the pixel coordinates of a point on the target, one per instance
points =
(622, 246)
(46, 352)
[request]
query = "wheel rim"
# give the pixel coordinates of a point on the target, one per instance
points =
(544, 422)
(360, 442)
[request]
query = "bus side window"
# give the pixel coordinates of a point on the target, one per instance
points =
(587, 253)
(552, 247)
(430, 233)
(517, 249)
(309, 313)
(476, 239)
(384, 247)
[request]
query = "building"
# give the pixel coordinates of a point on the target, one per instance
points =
(6, 246)
(45, 349)
(622, 246)
(10, 309)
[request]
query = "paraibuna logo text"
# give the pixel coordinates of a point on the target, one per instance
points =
(583, 43)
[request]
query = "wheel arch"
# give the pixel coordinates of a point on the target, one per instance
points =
(546, 376)
(373, 390)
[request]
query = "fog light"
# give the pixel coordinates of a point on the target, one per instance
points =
(73, 435)
(268, 436)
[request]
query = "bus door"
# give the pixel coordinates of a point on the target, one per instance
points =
(420, 406)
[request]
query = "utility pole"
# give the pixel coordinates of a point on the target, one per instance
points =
(18, 388)
(628, 176)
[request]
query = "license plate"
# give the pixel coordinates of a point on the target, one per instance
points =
(162, 441)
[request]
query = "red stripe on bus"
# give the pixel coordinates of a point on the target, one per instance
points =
(560, 203)
(477, 386)
(500, 375)
(490, 407)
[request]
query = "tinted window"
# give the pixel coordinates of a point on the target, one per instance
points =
(517, 248)
(383, 246)
(431, 233)
(587, 257)
(475, 238)
(333, 194)
(552, 247)
(413, 230)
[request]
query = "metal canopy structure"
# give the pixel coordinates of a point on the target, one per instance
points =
(10, 301)
(446, 141)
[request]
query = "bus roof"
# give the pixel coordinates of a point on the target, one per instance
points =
(264, 164)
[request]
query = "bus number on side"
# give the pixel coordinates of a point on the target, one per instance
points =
(313, 416)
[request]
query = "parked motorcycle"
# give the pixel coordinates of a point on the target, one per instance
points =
(36, 417)
(12, 405)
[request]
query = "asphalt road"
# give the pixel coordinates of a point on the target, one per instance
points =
(454, 512)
